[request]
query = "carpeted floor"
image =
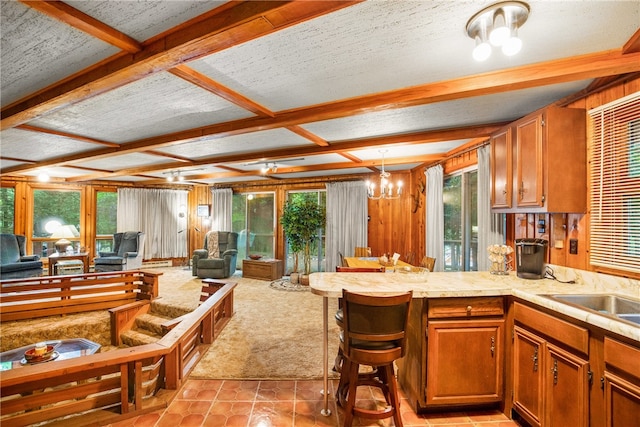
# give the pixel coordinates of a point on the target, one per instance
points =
(275, 333)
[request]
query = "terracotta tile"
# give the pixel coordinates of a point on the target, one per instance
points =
(200, 389)
(224, 413)
(169, 420)
(452, 418)
(312, 390)
(272, 414)
(490, 415)
(238, 390)
(308, 413)
(276, 390)
(186, 407)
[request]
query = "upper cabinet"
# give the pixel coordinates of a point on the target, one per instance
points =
(539, 163)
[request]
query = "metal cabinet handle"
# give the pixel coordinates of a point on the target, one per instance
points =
(554, 370)
(493, 346)
(535, 359)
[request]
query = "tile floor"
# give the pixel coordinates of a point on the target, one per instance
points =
(225, 403)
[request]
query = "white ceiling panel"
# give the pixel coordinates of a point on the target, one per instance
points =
(24, 144)
(124, 161)
(159, 104)
(58, 172)
(271, 139)
(144, 19)
(41, 50)
(443, 115)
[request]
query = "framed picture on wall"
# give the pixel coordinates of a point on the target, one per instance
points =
(204, 210)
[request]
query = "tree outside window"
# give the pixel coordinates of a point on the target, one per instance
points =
(7, 210)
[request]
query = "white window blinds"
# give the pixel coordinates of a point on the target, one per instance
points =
(615, 184)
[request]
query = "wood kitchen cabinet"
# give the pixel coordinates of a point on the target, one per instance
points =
(538, 163)
(455, 355)
(621, 383)
(550, 369)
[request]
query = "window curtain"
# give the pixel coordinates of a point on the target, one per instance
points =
(435, 216)
(347, 212)
(221, 206)
(160, 214)
(490, 225)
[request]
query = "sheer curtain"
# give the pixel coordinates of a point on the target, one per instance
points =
(490, 225)
(221, 206)
(160, 214)
(347, 211)
(435, 216)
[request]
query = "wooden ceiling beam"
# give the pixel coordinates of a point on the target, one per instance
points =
(68, 135)
(336, 147)
(238, 23)
(83, 22)
(203, 81)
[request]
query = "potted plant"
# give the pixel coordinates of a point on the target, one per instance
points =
(301, 220)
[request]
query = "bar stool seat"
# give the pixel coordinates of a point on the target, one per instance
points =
(374, 335)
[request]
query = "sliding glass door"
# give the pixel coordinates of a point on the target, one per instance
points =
(254, 219)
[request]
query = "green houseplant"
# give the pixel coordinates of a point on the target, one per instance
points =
(301, 220)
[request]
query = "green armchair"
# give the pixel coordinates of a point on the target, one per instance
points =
(218, 258)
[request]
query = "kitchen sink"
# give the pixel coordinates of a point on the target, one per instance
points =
(617, 306)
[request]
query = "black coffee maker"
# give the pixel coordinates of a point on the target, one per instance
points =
(531, 255)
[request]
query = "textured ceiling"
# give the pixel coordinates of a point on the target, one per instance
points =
(132, 90)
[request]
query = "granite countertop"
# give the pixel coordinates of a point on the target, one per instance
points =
(473, 284)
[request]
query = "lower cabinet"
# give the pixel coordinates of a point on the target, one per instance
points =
(464, 362)
(550, 369)
(455, 353)
(621, 383)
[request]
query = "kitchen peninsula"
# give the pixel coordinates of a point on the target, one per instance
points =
(455, 316)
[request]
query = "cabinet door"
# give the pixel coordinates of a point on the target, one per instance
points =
(567, 389)
(529, 162)
(501, 169)
(464, 361)
(622, 401)
(528, 352)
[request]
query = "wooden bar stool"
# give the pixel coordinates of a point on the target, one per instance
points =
(374, 335)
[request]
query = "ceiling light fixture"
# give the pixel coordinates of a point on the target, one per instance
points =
(386, 187)
(269, 167)
(174, 176)
(497, 25)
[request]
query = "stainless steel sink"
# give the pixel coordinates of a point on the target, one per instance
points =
(617, 306)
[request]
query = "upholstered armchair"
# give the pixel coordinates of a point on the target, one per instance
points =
(128, 248)
(14, 263)
(218, 258)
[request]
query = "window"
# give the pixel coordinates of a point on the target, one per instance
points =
(56, 215)
(317, 251)
(7, 210)
(253, 218)
(615, 185)
(460, 198)
(106, 219)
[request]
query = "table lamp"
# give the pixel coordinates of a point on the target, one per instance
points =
(63, 233)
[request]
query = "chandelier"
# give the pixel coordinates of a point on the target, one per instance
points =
(386, 186)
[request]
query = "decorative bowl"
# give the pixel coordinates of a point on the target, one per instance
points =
(255, 256)
(31, 356)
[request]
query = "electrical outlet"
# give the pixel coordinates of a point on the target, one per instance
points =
(573, 246)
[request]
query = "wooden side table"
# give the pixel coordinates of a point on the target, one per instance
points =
(262, 269)
(54, 258)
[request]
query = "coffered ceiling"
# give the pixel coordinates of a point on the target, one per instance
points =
(136, 91)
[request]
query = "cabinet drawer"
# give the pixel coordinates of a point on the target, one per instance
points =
(622, 356)
(439, 308)
(566, 333)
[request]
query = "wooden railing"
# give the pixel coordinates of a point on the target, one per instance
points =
(106, 387)
(58, 295)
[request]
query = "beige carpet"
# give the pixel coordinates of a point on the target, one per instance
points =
(273, 334)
